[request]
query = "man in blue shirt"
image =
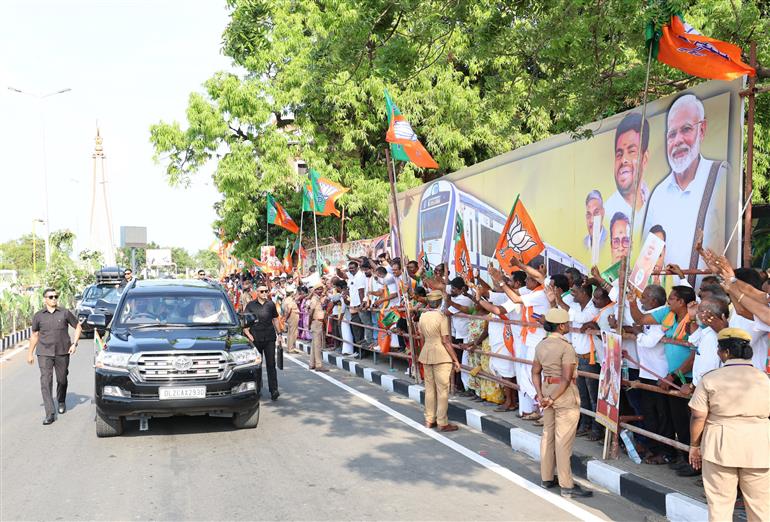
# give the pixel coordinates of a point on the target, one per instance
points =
(674, 319)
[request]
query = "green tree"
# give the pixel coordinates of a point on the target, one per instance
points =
(17, 254)
(475, 79)
(207, 260)
(182, 258)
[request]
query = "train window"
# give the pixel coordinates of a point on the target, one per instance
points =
(433, 222)
(488, 240)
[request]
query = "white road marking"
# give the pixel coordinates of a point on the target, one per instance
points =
(7, 357)
(556, 500)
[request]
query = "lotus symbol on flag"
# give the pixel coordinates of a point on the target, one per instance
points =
(518, 239)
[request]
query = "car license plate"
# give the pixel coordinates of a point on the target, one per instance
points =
(188, 392)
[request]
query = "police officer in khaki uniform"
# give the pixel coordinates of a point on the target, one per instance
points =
(438, 359)
(291, 317)
(316, 312)
(730, 431)
(554, 370)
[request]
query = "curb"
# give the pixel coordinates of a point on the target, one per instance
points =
(10, 340)
(646, 493)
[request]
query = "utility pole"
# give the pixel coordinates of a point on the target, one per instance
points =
(41, 110)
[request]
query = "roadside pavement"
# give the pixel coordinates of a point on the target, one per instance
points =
(654, 487)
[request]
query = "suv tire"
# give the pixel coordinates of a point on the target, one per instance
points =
(107, 427)
(247, 419)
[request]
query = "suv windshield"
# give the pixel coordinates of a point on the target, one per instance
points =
(179, 310)
(109, 293)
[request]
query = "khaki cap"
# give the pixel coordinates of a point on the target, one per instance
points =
(733, 333)
(434, 295)
(557, 316)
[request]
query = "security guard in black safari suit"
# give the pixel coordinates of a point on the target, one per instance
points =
(50, 335)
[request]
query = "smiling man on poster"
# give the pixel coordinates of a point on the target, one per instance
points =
(627, 144)
(693, 196)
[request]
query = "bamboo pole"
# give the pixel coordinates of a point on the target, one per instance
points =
(403, 298)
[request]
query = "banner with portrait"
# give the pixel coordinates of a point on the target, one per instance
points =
(690, 178)
(608, 397)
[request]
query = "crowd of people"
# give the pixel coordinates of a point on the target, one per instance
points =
(671, 333)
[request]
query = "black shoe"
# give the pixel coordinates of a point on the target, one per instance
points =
(49, 420)
(679, 466)
(576, 492)
(274, 396)
(62, 408)
(549, 484)
(688, 472)
(676, 463)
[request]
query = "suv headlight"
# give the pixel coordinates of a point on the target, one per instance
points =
(112, 360)
(245, 357)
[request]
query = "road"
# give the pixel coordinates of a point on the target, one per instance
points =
(334, 448)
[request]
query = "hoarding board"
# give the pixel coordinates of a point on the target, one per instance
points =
(691, 175)
(159, 257)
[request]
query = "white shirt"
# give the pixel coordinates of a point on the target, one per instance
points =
(579, 316)
(460, 324)
(676, 210)
(356, 282)
(540, 305)
(615, 203)
(494, 328)
(706, 358)
(759, 337)
(392, 285)
(652, 353)
(629, 345)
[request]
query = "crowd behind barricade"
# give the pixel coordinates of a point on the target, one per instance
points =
(671, 334)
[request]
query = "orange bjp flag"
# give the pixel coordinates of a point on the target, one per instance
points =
(277, 215)
(463, 265)
(519, 239)
(684, 48)
(405, 146)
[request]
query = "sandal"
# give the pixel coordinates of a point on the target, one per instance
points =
(532, 416)
(593, 437)
(502, 409)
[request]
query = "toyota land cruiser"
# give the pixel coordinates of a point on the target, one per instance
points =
(174, 348)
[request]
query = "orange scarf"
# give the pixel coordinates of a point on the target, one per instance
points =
(526, 317)
(592, 352)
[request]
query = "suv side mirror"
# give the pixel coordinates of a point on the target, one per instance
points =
(97, 320)
(78, 297)
(248, 320)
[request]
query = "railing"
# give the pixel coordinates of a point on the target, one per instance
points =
(507, 384)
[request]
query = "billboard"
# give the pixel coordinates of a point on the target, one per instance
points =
(159, 257)
(690, 178)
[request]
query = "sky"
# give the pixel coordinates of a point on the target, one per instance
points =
(129, 64)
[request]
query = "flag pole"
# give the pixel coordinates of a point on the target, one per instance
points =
(403, 298)
(299, 252)
(315, 228)
(623, 282)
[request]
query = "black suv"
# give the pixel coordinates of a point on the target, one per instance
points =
(100, 298)
(174, 348)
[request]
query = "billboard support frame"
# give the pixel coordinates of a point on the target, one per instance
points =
(748, 175)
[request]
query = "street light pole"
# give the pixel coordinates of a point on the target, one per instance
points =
(40, 98)
(34, 247)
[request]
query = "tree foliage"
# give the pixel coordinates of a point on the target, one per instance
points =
(475, 79)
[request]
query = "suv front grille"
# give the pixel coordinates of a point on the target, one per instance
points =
(188, 366)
